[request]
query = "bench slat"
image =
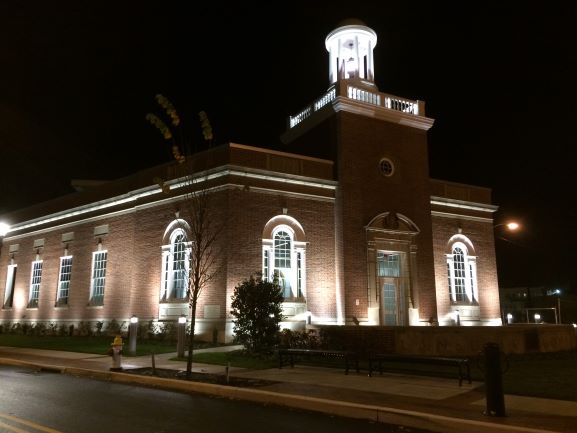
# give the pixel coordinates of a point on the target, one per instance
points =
(463, 364)
(340, 354)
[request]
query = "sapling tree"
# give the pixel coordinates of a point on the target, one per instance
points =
(194, 209)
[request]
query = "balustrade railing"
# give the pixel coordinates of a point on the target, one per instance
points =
(358, 94)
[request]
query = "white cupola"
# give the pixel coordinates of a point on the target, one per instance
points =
(350, 48)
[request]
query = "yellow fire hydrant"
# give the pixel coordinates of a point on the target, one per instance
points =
(116, 354)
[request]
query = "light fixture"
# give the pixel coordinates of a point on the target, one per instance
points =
(182, 319)
(513, 225)
(4, 229)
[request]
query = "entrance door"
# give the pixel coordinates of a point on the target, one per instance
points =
(389, 296)
(390, 281)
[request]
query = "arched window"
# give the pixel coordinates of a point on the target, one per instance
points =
(284, 256)
(462, 275)
(282, 262)
(175, 266)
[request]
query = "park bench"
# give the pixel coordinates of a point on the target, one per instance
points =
(462, 364)
(290, 356)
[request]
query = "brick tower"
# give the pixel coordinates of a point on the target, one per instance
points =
(384, 272)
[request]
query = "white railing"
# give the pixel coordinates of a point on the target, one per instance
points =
(400, 104)
(295, 120)
(363, 95)
(325, 99)
(315, 106)
(358, 94)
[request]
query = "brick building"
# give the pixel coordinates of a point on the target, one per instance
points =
(347, 218)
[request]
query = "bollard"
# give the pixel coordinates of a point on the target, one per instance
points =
(493, 380)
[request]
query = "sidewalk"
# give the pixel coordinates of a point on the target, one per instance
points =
(436, 404)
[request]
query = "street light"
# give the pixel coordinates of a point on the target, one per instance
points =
(4, 229)
(180, 336)
(132, 331)
(511, 225)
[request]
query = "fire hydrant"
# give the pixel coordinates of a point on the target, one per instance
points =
(116, 353)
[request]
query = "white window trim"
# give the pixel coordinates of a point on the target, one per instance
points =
(470, 264)
(296, 248)
(167, 278)
(32, 283)
(59, 288)
(10, 283)
(93, 277)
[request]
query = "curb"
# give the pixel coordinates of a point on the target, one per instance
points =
(380, 414)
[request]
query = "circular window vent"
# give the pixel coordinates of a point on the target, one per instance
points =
(386, 167)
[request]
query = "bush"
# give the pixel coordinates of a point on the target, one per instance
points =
(256, 307)
(85, 329)
(306, 339)
(113, 328)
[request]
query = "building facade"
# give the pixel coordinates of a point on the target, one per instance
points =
(346, 218)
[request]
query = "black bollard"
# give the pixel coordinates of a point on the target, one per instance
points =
(494, 380)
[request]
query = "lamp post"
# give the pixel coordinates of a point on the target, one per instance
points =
(132, 331)
(181, 336)
(558, 293)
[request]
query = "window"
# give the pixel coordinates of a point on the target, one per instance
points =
(388, 264)
(64, 280)
(462, 275)
(9, 291)
(36, 276)
(176, 262)
(283, 259)
(98, 277)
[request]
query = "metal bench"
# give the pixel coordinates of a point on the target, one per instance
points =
(293, 355)
(463, 364)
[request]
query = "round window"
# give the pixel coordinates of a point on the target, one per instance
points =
(386, 167)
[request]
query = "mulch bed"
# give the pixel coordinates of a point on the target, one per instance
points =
(219, 379)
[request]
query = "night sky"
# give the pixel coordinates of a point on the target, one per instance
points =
(499, 78)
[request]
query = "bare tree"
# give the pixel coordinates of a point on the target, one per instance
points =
(202, 230)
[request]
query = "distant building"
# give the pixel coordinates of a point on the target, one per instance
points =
(521, 304)
(347, 218)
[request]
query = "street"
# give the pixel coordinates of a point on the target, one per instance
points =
(32, 401)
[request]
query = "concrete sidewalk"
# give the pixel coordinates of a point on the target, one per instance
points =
(436, 404)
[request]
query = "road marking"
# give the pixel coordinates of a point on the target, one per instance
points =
(26, 423)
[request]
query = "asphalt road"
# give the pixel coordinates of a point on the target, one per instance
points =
(32, 401)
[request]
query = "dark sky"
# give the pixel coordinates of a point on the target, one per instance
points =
(499, 78)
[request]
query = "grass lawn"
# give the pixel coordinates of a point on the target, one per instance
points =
(546, 375)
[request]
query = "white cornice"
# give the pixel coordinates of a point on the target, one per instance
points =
(174, 185)
(462, 204)
(341, 103)
(461, 216)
